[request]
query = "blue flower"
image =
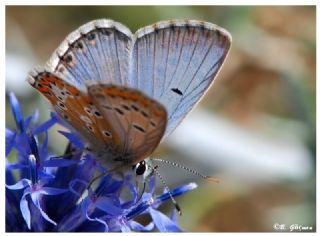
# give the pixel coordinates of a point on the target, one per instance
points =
(50, 193)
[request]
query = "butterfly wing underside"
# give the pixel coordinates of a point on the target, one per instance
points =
(172, 63)
(142, 120)
(116, 123)
(175, 62)
(98, 51)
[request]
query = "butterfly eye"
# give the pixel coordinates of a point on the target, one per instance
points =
(140, 168)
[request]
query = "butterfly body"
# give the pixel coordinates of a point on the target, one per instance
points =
(123, 92)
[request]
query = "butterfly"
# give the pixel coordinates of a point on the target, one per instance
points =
(123, 93)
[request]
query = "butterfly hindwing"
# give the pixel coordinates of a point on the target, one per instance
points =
(140, 120)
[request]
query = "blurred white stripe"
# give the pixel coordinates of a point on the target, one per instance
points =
(214, 142)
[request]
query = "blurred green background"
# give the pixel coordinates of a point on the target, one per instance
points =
(254, 129)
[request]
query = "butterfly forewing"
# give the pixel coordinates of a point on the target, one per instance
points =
(174, 62)
(98, 50)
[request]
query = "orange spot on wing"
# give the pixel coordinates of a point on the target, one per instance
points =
(44, 82)
(54, 80)
(74, 91)
(43, 89)
(137, 97)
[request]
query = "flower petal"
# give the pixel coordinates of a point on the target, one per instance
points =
(16, 111)
(33, 168)
(35, 116)
(33, 146)
(36, 202)
(71, 220)
(10, 137)
(139, 227)
(45, 176)
(45, 126)
(9, 133)
(74, 184)
(43, 149)
(152, 183)
(174, 216)
(19, 185)
(133, 189)
(24, 208)
(106, 228)
(52, 191)
(162, 222)
(27, 121)
(140, 208)
(106, 204)
(13, 166)
(59, 162)
(85, 206)
(177, 192)
(125, 228)
(73, 138)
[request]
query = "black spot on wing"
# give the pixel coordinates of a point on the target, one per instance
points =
(61, 105)
(177, 91)
(139, 128)
(107, 133)
(68, 58)
(134, 107)
(125, 107)
(144, 114)
(107, 107)
(97, 114)
(118, 110)
(87, 110)
(105, 31)
(91, 36)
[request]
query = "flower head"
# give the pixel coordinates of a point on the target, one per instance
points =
(49, 193)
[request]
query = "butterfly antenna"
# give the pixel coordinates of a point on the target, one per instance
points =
(192, 171)
(168, 189)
